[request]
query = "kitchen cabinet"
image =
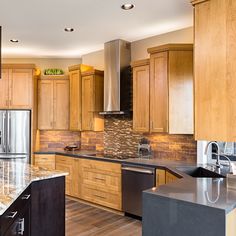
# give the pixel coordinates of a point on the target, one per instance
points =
(48, 207)
(92, 100)
(101, 183)
(76, 95)
(17, 86)
(160, 177)
(53, 103)
(171, 89)
(214, 69)
(71, 166)
(46, 161)
(16, 219)
(170, 177)
(141, 95)
(4, 89)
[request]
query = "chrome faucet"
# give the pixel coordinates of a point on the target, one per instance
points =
(217, 154)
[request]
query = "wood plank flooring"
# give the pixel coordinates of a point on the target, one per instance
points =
(86, 220)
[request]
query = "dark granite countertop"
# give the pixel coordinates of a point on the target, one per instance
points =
(210, 192)
(135, 160)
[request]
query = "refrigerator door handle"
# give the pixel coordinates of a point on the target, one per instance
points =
(8, 132)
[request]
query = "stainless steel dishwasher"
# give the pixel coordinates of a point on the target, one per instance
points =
(135, 179)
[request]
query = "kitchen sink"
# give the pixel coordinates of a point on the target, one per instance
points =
(200, 172)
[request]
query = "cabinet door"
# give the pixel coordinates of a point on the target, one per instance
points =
(61, 104)
(45, 104)
(141, 98)
(4, 91)
(87, 102)
(66, 164)
(20, 88)
(170, 177)
(75, 100)
(159, 92)
(181, 92)
(160, 177)
(215, 97)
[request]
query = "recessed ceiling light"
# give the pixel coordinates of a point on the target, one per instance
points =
(14, 40)
(68, 29)
(127, 6)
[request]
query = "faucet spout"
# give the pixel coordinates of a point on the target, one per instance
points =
(217, 154)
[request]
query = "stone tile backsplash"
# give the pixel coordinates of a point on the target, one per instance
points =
(119, 138)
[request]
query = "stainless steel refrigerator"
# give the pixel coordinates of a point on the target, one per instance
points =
(15, 134)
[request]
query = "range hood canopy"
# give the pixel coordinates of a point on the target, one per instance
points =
(117, 77)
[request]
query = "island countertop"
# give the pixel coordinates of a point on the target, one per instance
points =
(16, 176)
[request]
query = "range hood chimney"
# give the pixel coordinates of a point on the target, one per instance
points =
(117, 77)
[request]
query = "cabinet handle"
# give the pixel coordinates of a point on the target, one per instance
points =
(21, 229)
(13, 214)
(26, 197)
(6, 103)
(95, 195)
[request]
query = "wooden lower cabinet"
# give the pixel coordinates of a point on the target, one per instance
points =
(160, 177)
(45, 161)
(164, 177)
(71, 166)
(170, 177)
(101, 183)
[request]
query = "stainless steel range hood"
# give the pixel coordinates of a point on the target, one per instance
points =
(117, 77)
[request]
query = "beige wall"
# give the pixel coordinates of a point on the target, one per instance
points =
(95, 59)
(139, 48)
(44, 63)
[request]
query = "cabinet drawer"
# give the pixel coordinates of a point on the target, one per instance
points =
(106, 181)
(45, 161)
(15, 210)
(101, 165)
(96, 195)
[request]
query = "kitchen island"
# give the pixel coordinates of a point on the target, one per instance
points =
(32, 200)
(190, 206)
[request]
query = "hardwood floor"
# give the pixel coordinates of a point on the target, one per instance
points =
(86, 220)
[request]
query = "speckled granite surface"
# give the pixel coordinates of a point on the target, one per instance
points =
(16, 176)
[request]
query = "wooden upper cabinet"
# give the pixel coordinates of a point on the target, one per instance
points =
(215, 70)
(21, 86)
(92, 100)
(180, 73)
(76, 95)
(4, 91)
(53, 103)
(75, 100)
(141, 96)
(159, 92)
(17, 86)
(171, 89)
(45, 104)
(88, 103)
(61, 104)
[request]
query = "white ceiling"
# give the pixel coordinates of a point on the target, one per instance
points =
(39, 24)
